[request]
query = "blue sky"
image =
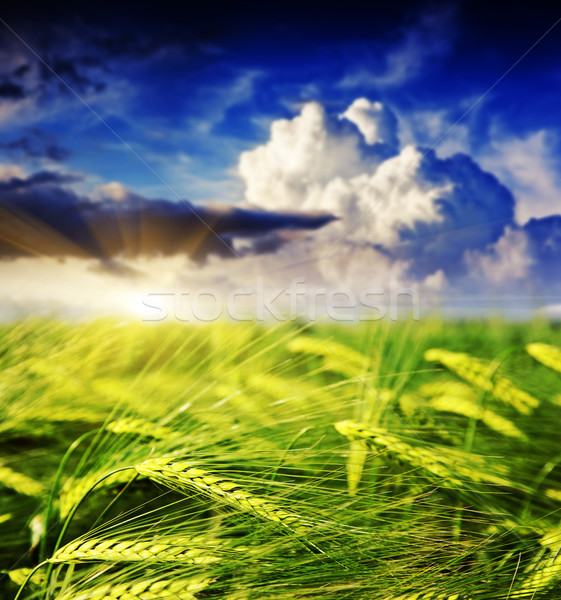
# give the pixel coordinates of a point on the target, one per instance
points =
(177, 97)
(127, 106)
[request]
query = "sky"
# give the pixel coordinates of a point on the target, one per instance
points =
(176, 162)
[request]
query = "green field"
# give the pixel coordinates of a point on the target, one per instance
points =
(381, 461)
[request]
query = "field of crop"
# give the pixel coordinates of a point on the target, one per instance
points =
(408, 461)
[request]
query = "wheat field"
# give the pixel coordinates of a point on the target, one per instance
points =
(404, 461)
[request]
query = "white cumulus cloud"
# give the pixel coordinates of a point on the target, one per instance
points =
(441, 224)
(310, 163)
(300, 158)
(376, 122)
(111, 191)
(507, 261)
(528, 167)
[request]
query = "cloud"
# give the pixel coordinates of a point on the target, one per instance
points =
(360, 265)
(435, 128)
(544, 243)
(215, 101)
(8, 172)
(420, 45)
(36, 144)
(375, 121)
(111, 191)
(302, 156)
(33, 88)
(419, 209)
(443, 226)
(11, 91)
(524, 259)
(331, 198)
(21, 70)
(473, 207)
(74, 71)
(19, 181)
(529, 167)
(41, 216)
(508, 261)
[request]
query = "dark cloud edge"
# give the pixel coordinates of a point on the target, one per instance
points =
(41, 216)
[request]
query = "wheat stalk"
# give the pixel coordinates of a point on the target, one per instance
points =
(443, 462)
(182, 475)
(479, 373)
(183, 550)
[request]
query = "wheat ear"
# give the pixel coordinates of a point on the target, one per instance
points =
(446, 388)
(479, 373)
(546, 571)
(358, 452)
(182, 550)
(337, 357)
(468, 408)
(151, 589)
(19, 576)
(19, 482)
(461, 399)
(548, 355)
(143, 427)
(442, 462)
(553, 494)
(182, 475)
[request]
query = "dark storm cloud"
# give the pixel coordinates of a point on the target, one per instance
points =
(70, 71)
(41, 178)
(21, 70)
(39, 217)
(36, 144)
(11, 91)
(87, 57)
